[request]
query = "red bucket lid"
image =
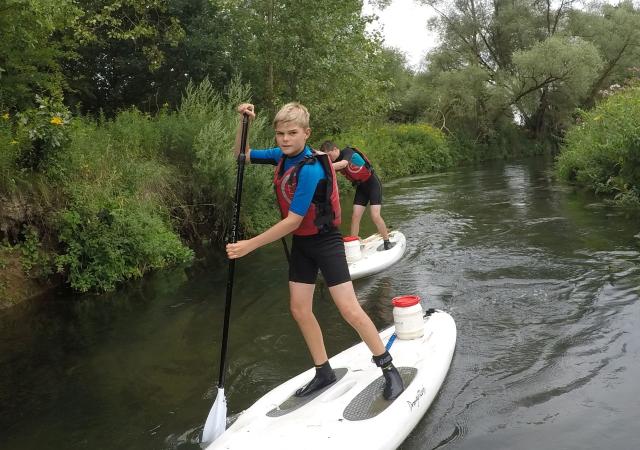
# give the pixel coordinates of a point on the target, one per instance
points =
(350, 238)
(405, 301)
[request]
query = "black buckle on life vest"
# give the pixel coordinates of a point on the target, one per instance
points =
(324, 217)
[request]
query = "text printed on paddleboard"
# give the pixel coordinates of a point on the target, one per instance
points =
(416, 401)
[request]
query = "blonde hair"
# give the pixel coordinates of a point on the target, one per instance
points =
(292, 112)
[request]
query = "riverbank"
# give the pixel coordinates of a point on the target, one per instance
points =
(15, 284)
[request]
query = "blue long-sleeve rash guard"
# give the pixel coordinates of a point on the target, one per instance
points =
(308, 177)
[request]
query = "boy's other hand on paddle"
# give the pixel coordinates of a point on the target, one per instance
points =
(239, 249)
(248, 109)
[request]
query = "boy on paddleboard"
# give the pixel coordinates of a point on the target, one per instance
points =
(307, 194)
(357, 168)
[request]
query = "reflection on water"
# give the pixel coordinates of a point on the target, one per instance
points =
(543, 284)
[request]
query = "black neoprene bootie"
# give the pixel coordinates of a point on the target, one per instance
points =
(324, 377)
(386, 245)
(393, 385)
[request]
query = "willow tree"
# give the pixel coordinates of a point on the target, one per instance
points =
(508, 61)
(615, 31)
(550, 80)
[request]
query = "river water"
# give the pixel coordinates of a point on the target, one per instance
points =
(543, 284)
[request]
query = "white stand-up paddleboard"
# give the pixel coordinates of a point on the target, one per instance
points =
(351, 413)
(372, 258)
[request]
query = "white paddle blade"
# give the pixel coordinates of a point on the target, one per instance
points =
(217, 420)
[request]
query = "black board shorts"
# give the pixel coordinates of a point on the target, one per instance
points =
(369, 191)
(323, 251)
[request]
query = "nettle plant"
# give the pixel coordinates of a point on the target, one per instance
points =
(42, 133)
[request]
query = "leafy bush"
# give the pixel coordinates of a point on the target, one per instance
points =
(213, 164)
(133, 181)
(118, 191)
(602, 152)
(103, 248)
(35, 262)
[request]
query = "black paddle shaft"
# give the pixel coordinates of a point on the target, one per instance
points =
(233, 240)
(286, 250)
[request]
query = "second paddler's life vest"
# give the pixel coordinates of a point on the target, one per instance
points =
(358, 174)
(324, 212)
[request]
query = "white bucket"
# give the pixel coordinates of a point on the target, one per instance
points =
(352, 248)
(407, 316)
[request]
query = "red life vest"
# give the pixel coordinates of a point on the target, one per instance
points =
(324, 212)
(358, 174)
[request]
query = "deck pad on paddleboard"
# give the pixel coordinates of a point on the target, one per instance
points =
(293, 402)
(369, 402)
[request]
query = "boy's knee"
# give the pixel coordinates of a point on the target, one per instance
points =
(354, 317)
(300, 313)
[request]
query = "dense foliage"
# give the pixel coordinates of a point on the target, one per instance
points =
(117, 116)
(120, 192)
(602, 153)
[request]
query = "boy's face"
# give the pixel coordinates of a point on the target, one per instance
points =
(333, 153)
(291, 138)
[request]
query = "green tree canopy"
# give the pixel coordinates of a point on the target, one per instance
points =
(318, 53)
(122, 56)
(31, 48)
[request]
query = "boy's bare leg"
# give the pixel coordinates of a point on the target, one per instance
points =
(358, 211)
(301, 306)
(379, 221)
(301, 310)
(345, 299)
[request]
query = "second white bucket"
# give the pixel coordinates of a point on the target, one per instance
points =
(352, 248)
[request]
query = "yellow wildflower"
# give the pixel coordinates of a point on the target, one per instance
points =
(13, 142)
(57, 120)
(5, 116)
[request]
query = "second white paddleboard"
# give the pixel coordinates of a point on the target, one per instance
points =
(374, 258)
